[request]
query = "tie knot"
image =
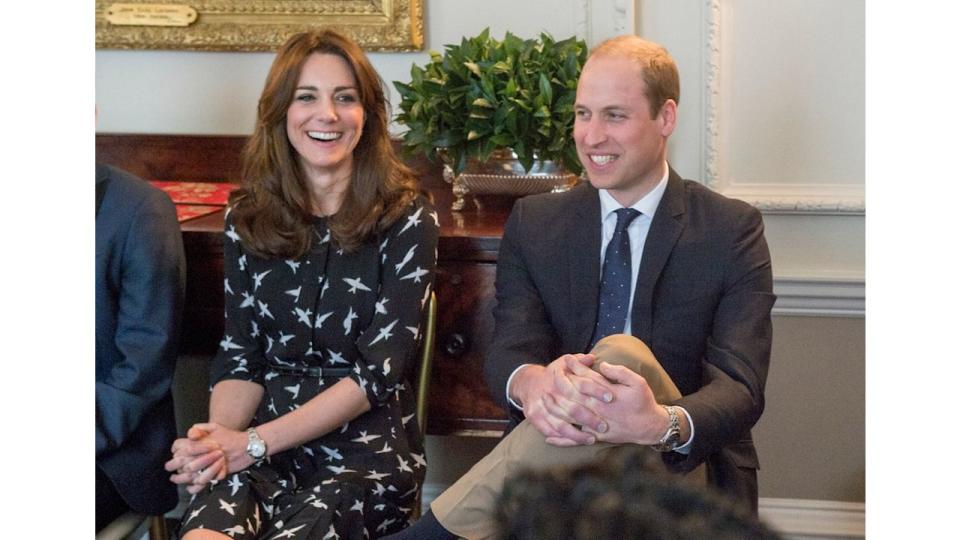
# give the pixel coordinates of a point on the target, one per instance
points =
(624, 217)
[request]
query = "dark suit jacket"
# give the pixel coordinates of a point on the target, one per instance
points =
(702, 304)
(140, 283)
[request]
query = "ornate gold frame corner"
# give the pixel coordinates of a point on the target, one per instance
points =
(264, 25)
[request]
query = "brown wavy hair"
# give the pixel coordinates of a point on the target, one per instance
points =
(272, 210)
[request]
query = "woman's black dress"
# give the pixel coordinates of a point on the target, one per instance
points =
(352, 314)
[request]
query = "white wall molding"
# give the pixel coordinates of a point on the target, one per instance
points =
(822, 198)
(819, 296)
(801, 519)
(778, 198)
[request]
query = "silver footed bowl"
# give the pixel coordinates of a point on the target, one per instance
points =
(503, 174)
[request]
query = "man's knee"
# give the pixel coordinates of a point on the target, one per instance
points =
(624, 350)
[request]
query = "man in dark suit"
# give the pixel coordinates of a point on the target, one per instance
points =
(140, 286)
(637, 251)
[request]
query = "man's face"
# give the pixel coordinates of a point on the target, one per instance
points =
(621, 147)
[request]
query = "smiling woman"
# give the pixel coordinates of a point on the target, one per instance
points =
(328, 254)
(324, 124)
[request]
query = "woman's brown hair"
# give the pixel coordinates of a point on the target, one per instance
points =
(272, 211)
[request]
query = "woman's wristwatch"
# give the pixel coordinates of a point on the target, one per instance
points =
(256, 447)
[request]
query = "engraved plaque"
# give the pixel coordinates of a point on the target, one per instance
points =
(150, 15)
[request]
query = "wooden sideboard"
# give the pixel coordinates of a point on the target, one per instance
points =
(467, 253)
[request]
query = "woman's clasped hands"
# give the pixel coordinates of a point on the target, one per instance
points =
(209, 452)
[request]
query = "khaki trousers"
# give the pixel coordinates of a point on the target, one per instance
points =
(466, 508)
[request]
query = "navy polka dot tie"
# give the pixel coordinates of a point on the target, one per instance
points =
(615, 283)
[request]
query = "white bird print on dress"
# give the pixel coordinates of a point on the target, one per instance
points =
(326, 285)
(383, 526)
(374, 475)
(412, 221)
(258, 279)
(365, 439)
(379, 507)
(331, 534)
(242, 263)
(194, 514)
(404, 465)
(232, 234)
(326, 238)
(379, 307)
(336, 358)
(355, 284)
(269, 343)
(272, 407)
(379, 491)
(436, 218)
(227, 343)
(416, 275)
(264, 309)
(357, 505)
(385, 333)
(295, 390)
(255, 331)
(295, 293)
(405, 419)
(386, 448)
(234, 484)
(285, 338)
(226, 286)
(332, 453)
(227, 507)
(236, 529)
(293, 265)
(348, 321)
(247, 300)
(339, 469)
(319, 504)
(288, 533)
(406, 258)
(418, 458)
(415, 330)
(321, 318)
(386, 366)
(303, 316)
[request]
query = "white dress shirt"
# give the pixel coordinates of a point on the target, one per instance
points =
(637, 230)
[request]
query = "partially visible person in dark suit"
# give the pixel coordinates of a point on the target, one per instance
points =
(629, 495)
(139, 301)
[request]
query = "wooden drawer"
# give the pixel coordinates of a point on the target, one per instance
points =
(459, 400)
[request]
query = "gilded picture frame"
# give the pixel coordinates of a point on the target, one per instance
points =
(263, 25)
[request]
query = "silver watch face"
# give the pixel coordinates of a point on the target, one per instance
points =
(255, 445)
(256, 449)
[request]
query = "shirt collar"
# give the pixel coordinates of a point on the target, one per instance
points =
(647, 205)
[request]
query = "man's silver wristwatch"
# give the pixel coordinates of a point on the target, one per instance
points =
(256, 448)
(670, 439)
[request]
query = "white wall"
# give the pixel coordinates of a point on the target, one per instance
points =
(216, 93)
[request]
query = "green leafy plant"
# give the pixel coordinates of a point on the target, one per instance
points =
(485, 94)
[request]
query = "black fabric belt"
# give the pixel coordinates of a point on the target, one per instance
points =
(311, 371)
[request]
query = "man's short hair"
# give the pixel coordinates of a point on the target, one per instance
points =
(628, 495)
(659, 71)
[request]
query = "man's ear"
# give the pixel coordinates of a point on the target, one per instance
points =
(668, 117)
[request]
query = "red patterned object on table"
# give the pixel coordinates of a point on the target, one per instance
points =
(197, 192)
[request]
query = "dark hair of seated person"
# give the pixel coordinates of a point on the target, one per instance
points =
(628, 496)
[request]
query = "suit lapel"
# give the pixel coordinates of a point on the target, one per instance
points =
(583, 237)
(664, 232)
